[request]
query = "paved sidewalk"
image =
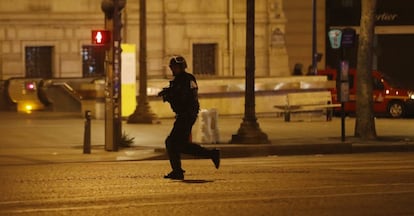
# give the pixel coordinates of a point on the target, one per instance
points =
(46, 137)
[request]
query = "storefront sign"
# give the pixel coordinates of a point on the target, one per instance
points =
(348, 37)
(335, 38)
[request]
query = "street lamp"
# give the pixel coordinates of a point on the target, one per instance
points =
(249, 131)
(142, 113)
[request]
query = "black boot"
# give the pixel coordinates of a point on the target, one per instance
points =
(175, 175)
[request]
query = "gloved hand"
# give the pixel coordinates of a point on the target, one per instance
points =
(164, 94)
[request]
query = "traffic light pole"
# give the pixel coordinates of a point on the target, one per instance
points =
(113, 117)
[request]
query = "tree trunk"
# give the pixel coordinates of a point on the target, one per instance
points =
(365, 122)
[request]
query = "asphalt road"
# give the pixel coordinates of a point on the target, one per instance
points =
(357, 184)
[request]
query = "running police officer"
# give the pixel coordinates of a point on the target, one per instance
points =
(183, 98)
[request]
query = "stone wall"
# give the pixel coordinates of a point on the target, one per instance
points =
(172, 27)
(228, 95)
(65, 25)
(299, 32)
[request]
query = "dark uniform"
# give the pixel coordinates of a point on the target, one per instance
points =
(183, 98)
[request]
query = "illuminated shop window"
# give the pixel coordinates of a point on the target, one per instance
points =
(93, 58)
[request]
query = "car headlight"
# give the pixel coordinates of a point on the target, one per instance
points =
(411, 95)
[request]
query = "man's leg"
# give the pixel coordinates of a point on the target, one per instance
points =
(191, 148)
(197, 150)
(173, 145)
(173, 154)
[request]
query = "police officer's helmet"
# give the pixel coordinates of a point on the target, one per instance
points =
(178, 60)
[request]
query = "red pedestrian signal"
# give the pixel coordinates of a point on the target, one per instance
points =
(101, 37)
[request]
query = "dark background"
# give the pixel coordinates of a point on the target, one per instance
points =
(394, 51)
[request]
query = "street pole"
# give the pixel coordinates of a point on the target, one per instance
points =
(249, 131)
(113, 119)
(314, 40)
(142, 113)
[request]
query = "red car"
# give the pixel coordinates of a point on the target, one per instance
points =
(395, 102)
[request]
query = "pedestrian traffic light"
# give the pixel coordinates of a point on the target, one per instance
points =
(101, 37)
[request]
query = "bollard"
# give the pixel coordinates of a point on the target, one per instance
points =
(87, 133)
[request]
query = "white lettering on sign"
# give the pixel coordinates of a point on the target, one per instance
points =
(386, 17)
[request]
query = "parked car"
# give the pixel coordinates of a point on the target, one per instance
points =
(388, 99)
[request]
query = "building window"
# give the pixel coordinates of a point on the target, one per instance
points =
(93, 59)
(378, 85)
(38, 61)
(204, 59)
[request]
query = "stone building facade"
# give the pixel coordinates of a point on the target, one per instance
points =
(193, 28)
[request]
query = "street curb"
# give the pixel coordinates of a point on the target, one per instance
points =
(366, 148)
(227, 151)
(254, 150)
